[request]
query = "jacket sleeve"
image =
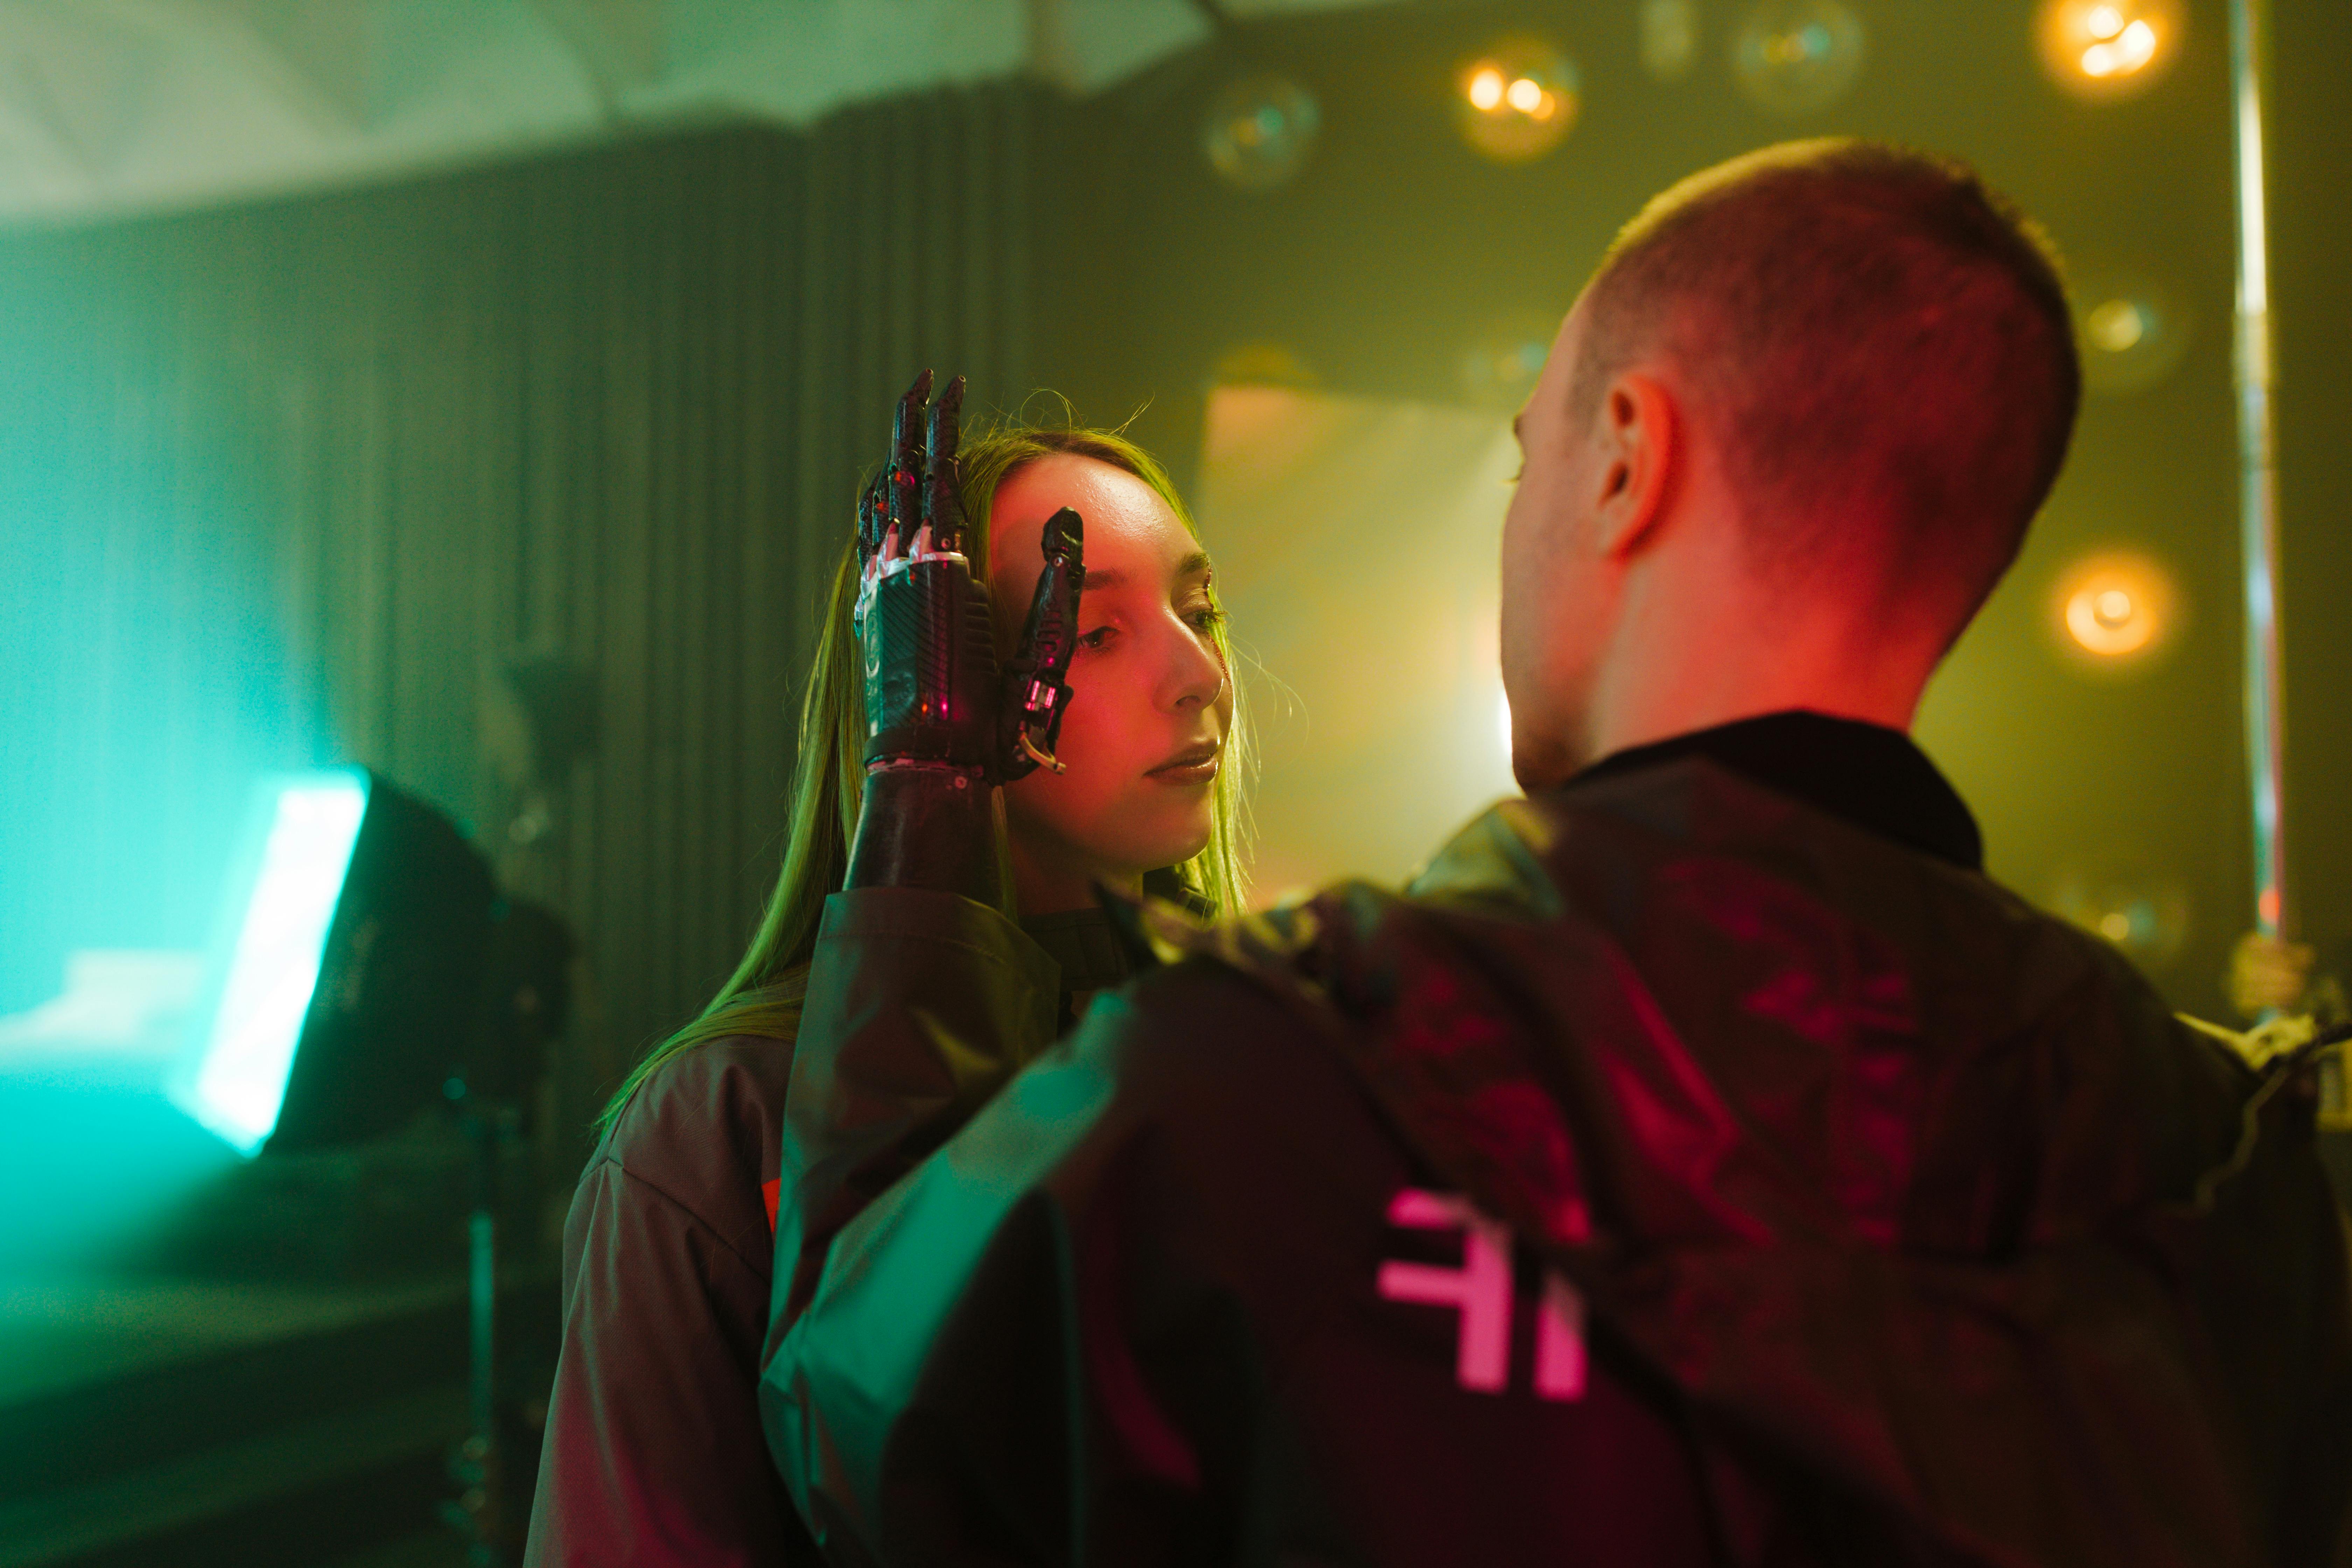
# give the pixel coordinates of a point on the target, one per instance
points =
(1050, 1340)
(653, 1453)
(920, 1005)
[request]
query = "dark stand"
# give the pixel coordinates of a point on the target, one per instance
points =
(483, 1513)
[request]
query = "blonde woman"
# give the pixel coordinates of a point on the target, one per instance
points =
(1107, 752)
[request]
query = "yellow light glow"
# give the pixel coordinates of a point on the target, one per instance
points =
(2116, 607)
(2134, 49)
(2106, 49)
(1518, 98)
(2115, 325)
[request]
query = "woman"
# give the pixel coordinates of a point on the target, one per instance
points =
(654, 1451)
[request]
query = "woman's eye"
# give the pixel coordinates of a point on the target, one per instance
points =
(1097, 640)
(1203, 618)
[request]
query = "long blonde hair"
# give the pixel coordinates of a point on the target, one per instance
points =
(763, 995)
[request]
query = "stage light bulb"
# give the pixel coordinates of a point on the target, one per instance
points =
(2115, 608)
(2115, 325)
(2129, 52)
(1500, 366)
(2133, 332)
(1518, 99)
(1669, 37)
(1260, 132)
(1794, 56)
(2108, 49)
(2146, 914)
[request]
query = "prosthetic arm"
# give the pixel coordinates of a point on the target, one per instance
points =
(943, 724)
(923, 997)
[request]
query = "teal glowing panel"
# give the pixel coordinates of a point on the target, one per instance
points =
(283, 897)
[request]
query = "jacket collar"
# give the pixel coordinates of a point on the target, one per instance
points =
(1866, 774)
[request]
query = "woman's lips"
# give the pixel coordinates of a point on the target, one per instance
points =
(1195, 764)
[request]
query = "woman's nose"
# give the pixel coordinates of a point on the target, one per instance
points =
(1196, 675)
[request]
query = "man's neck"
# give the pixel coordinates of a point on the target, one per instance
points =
(1661, 680)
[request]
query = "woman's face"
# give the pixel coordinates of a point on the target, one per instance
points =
(1151, 707)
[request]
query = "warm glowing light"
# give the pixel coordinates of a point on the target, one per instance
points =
(2142, 911)
(1669, 37)
(2133, 332)
(2106, 49)
(2128, 53)
(1518, 99)
(2117, 607)
(1502, 721)
(1500, 366)
(2115, 325)
(1795, 57)
(1260, 132)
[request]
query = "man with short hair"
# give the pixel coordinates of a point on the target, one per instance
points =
(1702, 1162)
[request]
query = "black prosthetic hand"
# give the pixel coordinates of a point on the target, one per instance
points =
(923, 621)
(1036, 679)
(943, 724)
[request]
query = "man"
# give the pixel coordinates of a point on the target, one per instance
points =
(1702, 1162)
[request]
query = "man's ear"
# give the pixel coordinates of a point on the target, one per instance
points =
(1638, 428)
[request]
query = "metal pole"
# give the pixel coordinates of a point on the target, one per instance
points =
(2258, 479)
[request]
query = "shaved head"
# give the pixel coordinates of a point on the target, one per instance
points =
(1880, 346)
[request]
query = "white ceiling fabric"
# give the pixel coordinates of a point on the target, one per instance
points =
(124, 106)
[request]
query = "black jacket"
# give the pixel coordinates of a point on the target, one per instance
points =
(653, 1454)
(1679, 1172)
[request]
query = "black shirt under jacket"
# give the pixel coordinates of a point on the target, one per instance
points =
(1871, 776)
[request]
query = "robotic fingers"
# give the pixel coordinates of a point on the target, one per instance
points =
(935, 697)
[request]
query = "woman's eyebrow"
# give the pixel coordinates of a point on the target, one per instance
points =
(1193, 566)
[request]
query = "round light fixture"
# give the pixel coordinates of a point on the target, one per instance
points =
(2115, 608)
(1669, 37)
(1793, 57)
(2133, 332)
(1260, 132)
(1516, 100)
(1500, 366)
(2145, 914)
(2104, 50)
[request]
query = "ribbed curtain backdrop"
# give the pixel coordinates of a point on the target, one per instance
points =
(291, 484)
